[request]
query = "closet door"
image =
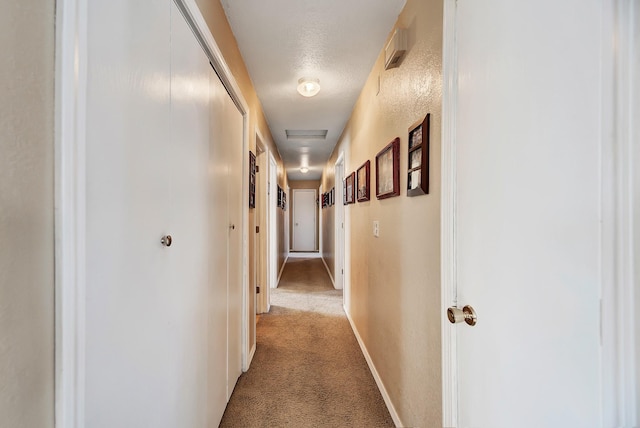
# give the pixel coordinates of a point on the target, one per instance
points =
(236, 202)
(186, 327)
(218, 244)
(129, 297)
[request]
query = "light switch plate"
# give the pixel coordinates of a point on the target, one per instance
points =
(376, 228)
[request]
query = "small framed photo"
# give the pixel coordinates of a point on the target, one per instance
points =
(388, 170)
(363, 178)
(349, 194)
(418, 161)
(332, 201)
(252, 180)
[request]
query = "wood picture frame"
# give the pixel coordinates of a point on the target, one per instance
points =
(350, 188)
(363, 178)
(252, 180)
(388, 170)
(344, 192)
(418, 158)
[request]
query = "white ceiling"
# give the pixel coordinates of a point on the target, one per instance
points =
(336, 41)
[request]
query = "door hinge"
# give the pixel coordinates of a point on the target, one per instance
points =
(257, 168)
(342, 271)
(257, 289)
(257, 229)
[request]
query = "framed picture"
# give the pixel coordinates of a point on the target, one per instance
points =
(418, 162)
(350, 188)
(280, 192)
(344, 192)
(284, 200)
(388, 170)
(332, 194)
(363, 178)
(252, 180)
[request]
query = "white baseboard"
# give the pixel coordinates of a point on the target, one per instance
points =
(329, 272)
(374, 372)
(282, 270)
(252, 352)
(305, 255)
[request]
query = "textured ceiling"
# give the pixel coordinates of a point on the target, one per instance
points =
(336, 41)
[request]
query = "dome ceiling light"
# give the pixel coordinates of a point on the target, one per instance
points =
(308, 87)
(304, 170)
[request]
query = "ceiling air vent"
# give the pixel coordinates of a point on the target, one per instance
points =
(306, 134)
(395, 50)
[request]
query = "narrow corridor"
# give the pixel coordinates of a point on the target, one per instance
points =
(308, 370)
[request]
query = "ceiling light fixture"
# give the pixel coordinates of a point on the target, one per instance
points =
(304, 170)
(308, 87)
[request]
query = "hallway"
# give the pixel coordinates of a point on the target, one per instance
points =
(308, 370)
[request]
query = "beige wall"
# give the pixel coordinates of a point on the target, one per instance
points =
(217, 21)
(395, 279)
(26, 214)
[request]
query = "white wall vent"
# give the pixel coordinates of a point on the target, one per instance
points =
(395, 49)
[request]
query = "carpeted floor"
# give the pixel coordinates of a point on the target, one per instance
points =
(308, 370)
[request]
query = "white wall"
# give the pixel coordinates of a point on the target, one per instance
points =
(26, 214)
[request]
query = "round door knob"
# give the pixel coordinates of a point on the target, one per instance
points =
(232, 227)
(166, 240)
(466, 314)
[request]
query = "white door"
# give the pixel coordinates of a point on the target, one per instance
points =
(226, 204)
(339, 230)
(188, 287)
(526, 213)
(273, 225)
(304, 220)
(262, 220)
(218, 241)
(233, 139)
(147, 149)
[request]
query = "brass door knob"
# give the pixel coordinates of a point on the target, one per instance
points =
(466, 314)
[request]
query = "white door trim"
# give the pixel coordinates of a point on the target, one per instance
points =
(621, 384)
(448, 212)
(70, 195)
(273, 227)
(262, 252)
(70, 202)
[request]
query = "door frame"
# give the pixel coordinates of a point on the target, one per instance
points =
(262, 220)
(272, 221)
(619, 170)
(70, 196)
(315, 218)
(338, 250)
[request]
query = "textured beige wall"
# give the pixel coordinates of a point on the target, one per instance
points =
(220, 29)
(26, 214)
(395, 279)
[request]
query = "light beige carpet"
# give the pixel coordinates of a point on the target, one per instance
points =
(308, 370)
